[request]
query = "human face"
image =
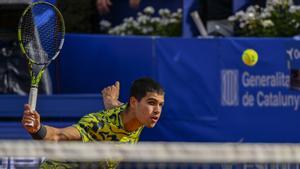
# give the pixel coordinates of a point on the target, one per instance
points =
(149, 108)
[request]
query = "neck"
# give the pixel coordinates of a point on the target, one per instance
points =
(129, 120)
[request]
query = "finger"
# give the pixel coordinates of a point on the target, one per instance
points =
(31, 124)
(29, 118)
(103, 91)
(27, 107)
(117, 84)
(107, 90)
(27, 113)
(32, 118)
(36, 115)
(27, 121)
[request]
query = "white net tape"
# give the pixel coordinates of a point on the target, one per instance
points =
(155, 152)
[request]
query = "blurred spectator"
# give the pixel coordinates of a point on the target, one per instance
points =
(103, 6)
(214, 14)
(113, 12)
(80, 16)
(94, 16)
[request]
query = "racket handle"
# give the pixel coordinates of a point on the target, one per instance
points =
(32, 98)
(32, 102)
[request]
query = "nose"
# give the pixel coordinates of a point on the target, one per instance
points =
(157, 110)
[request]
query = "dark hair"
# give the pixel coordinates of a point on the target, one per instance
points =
(141, 86)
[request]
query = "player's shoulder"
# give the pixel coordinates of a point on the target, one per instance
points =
(107, 114)
(115, 110)
(112, 114)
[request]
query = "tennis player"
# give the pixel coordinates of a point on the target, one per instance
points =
(121, 124)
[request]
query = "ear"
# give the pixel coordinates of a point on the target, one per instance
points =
(132, 101)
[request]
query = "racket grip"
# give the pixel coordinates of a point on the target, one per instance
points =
(33, 97)
(32, 102)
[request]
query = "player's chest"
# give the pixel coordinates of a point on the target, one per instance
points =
(115, 133)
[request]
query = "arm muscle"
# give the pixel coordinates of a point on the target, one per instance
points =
(62, 134)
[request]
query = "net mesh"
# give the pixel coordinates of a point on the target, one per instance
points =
(153, 155)
(42, 32)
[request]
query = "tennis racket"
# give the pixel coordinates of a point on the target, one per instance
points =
(41, 32)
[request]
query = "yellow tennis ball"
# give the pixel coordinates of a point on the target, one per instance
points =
(250, 57)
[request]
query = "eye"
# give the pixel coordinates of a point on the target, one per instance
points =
(152, 103)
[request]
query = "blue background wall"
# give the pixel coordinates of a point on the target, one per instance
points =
(211, 95)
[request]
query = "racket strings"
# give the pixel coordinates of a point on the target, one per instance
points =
(42, 33)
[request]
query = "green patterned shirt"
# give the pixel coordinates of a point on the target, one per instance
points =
(100, 126)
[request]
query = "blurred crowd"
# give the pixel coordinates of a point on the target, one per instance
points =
(101, 15)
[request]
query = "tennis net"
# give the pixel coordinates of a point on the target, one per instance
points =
(156, 154)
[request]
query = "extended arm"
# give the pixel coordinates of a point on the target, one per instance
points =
(41, 132)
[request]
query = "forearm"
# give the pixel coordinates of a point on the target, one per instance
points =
(57, 134)
(110, 103)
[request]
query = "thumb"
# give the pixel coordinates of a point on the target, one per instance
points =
(117, 84)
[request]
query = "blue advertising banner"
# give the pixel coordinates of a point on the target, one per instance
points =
(257, 104)
(212, 95)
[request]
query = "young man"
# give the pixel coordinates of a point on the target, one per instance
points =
(120, 124)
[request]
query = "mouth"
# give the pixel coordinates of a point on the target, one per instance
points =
(154, 118)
